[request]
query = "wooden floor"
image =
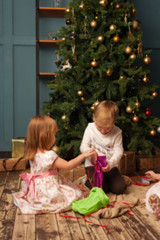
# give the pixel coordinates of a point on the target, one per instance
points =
(15, 226)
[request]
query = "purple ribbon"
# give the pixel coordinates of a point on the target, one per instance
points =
(101, 162)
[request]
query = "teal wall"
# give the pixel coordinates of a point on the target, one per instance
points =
(17, 68)
(148, 14)
(18, 60)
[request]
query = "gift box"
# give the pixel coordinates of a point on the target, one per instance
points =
(127, 164)
(73, 174)
(11, 164)
(78, 172)
(18, 147)
(146, 162)
(67, 174)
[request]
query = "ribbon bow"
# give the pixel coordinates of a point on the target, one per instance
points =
(29, 178)
(101, 162)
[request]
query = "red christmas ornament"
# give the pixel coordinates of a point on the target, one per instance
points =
(118, 5)
(148, 112)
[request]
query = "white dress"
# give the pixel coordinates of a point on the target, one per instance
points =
(155, 189)
(44, 189)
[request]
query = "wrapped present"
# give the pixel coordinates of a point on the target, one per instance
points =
(67, 174)
(78, 172)
(11, 164)
(146, 162)
(18, 147)
(127, 164)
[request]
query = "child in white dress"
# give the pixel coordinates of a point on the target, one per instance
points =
(44, 189)
(153, 195)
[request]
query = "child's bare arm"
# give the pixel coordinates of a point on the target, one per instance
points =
(153, 175)
(61, 163)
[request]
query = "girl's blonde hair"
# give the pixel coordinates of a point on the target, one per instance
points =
(105, 113)
(39, 135)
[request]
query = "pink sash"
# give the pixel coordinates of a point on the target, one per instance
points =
(29, 178)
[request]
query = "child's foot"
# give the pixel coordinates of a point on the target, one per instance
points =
(154, 202)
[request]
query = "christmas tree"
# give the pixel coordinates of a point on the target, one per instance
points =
(102, 57)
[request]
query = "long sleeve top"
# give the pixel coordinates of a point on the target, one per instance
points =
(109, 145)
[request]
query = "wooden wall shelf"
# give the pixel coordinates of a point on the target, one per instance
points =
(42, 74)
(51, 12)
(48, 43)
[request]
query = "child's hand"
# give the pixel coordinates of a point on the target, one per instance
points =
(151, 174)
(106, 169)
(93, 158)
(89, 153)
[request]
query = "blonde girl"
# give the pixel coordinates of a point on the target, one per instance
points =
(44, 189)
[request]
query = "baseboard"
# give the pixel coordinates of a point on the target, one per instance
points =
(5, 154)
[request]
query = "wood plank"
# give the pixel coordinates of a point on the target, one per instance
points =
(149, 220)
(3, 177)
(97, 232)
(47, 227)
(7, 207)
(24, 227)
(69, 228)
(136, 228)
(85, 228)
(116, 229)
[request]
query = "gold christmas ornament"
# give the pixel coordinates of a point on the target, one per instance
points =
(154, 94)
(116, 38)
(138, 104)
(112, 27)
(80, 93)
(67, 10)
(94, 63)
(135, 119)
(55, 148)
(63, 39)
(63, 117)
(93, 24)
(103, 2)
(128, 50)
(121, 77)
(135, 24)
(95, 103)
(109, 72)
(145, 79)
(92, 107)
(146, 59)
(132, 56)
(129, 109)
(100, 38)
(83, 99)
(152, 132)
(81, 6)
(134, 10)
